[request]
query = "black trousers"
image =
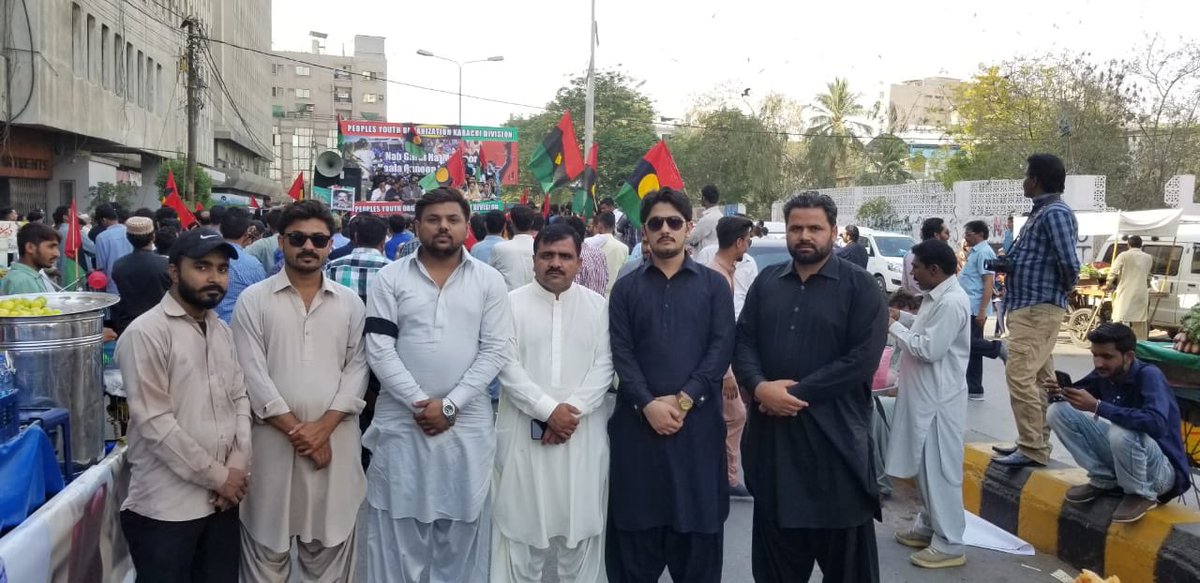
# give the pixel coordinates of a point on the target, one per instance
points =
(979, 349)
(205, 550)
(787, 555)
(639, 556)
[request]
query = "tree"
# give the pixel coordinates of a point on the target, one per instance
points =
(838, 121)
(876, 213)
(887, 157)
(624, 128)
(738, 152)
(1166, 126)
(121, 194)
(202, 181)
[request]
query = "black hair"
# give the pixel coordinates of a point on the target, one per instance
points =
(730, 229)
(812, 200)
(1135, 241)
(936, 252)
(164, 238)
(304, 210)
(539, 222)
(675, 198)
(978, 227)
(903, 299)
(852, 232)
(932, 227)
(122, 213)
(1049, 171)
(216, 214)
(608, 220)
(555, 233)
(494, 221)
(608, 201)
(36, 233)
(1119, 335)
(144, 212)
(60, 214)
(577, 223)
(440, 195)
(522, 218)
(104, 212)
(235, 224)
(273, 217)
(35, 216)
(7, 210)
(164, 213)
(397, 223)
(369, 230)
(139, 241)
(478, 226)
(710, 194)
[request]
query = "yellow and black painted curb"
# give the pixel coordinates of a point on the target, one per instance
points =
(1163, 547)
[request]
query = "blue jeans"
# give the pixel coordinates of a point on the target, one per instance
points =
(1112, 455)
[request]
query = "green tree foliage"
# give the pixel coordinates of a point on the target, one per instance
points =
(202, 181)
(624, 129)
(839, 128)
(876, 213)
(735, 151)
(122, 194)
(887, 162)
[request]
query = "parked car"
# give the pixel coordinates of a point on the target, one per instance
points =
(885, 255)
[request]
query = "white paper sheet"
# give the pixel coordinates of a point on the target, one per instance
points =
(985, 535)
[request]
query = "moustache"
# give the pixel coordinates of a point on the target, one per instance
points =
(309, 254)
(212, 289)
(555, 271)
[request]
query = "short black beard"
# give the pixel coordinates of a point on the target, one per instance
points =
(435, 253)
(816, 256)
(192, 296)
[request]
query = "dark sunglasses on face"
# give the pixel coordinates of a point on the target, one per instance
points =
(297, 239)
(656, 223)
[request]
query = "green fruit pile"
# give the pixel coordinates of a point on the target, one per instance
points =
(15, 307)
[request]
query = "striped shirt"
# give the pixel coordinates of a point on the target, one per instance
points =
(593, 270)
(408, 248)
(357, 269)
(1045, 267)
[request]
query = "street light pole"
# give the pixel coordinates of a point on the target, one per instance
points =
(459, 64)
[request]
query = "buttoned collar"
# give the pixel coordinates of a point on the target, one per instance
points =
(1045, 199)
(173, 309)
(831, 270)
(549, 295)
(936, 293)
(688, 264)
(280, 281)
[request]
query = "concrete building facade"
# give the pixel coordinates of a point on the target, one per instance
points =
(311, 90)
(97, 91)
(923, 103)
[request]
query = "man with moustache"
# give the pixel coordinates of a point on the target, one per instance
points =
(672, 327)
(189, 424)
(438, 323)
(299, 339)
(551, 439)
(809, 340)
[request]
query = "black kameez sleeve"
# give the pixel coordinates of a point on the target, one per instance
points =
(866, 337)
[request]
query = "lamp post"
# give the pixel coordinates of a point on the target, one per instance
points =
(460, 64)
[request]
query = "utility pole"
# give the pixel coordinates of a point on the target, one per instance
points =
(193, 109)
(589, 116)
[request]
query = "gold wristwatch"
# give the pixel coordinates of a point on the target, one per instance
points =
(685, 402)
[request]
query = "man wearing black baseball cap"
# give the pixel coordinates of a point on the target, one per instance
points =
(189, 427)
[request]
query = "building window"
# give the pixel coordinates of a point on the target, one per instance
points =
(277, 92)
(106, 59)
(276, 68)
(141, 79)
(341, 74)
(119, 65)
(277, 111)
(130, 73)
(331, 140)
(92, 50)
(158, 82)
(372, 98)
(78, 52)
(343, 114)
(150, 93)
(371, 116)
(341, 95)
(370, 75)
(303, 71)
(304, 94)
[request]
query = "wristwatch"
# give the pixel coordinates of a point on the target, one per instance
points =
(685, 402)
(449, 411)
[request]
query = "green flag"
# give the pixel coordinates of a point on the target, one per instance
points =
(557, 160)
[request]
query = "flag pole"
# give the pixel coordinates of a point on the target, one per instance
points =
(590, 108)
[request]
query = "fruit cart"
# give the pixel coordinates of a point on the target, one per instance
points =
(1183, 374)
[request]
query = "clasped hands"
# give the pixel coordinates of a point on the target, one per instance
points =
(775, 400)
(233, 491)
(561, 424)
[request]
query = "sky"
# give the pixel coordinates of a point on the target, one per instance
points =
(685, 49)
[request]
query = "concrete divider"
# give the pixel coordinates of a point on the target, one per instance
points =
(1164, 546)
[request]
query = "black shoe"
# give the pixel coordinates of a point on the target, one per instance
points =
(1087, 493)
(1132, 508)
(1017, 460)
(1004, 449)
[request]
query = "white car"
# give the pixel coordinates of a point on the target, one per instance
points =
(885, 256)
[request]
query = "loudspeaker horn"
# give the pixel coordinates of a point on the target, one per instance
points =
(329, 163)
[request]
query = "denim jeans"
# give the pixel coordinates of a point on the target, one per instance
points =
(1112, 455)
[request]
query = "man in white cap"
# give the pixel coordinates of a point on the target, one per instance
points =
(141, 276)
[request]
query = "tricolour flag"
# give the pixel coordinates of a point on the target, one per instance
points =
(656, 170)
(557, 160)
(297, 189)
(451, 173)
(412, 142)
(584, 202)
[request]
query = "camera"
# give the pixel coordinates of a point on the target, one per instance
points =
(999, 265)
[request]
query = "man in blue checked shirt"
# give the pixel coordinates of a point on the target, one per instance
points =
(1043, 271)
(245, 270)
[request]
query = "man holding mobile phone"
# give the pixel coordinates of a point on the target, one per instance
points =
(551, 441)
(1121, 424)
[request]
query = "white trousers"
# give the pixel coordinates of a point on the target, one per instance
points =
(514, 562)
(405, 550)
(318, 563)
(942, 515)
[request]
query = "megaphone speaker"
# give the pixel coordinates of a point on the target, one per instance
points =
(329, 164)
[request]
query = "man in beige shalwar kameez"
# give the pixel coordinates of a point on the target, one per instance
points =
(299, 339)
(1131, 272)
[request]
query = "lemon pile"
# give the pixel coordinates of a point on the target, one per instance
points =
(26, 307)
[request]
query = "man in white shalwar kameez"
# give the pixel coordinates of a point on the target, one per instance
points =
(931, 406)
(438, 321)
(299, 338)
(1131, 272)
(550, 489)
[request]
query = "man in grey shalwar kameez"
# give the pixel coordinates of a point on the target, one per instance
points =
(931, 406)
(437, 325)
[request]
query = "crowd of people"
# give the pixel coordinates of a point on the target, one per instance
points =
(284, 384)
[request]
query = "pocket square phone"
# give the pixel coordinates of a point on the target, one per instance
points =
(537, 429)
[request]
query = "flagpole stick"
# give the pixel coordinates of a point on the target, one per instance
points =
(589, 120)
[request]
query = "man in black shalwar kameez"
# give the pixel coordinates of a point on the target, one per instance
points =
(809, 340)
(672, 332)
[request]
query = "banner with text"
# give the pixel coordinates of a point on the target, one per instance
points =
(410, 150)
(384, 209)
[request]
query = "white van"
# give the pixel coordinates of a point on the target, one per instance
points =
(1176, 268)
(885, 256)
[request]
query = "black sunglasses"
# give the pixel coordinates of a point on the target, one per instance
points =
(656, 223)
(297, 239)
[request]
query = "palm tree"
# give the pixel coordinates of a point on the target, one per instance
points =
(888, 156)
(838, 112)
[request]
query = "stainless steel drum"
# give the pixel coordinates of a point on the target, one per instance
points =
(59, 363)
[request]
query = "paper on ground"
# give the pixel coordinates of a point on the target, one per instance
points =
(985, 535)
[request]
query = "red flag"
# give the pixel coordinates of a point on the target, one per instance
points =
(525, 196)
(546, 207)
(186, 218)
(254, 203)
(456, 168)
(199, 207)
(471, 240)
(74, 236)
(297, 189)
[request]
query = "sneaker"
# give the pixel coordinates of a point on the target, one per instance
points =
(1087, 493)
(739, 491)
(1132, 508)
(975, 396)
(931, 559)
(912, 538)
(1002, 352)
(1017, 459)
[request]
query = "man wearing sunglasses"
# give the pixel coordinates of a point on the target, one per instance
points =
(299, 337)
(672, 327)
(437, 329)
